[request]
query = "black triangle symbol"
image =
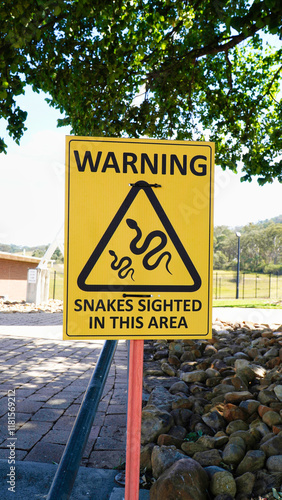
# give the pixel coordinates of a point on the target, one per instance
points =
(81, 281)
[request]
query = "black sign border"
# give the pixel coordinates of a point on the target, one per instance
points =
(149, 335)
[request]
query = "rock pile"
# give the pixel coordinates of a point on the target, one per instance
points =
(212, 415)
(52, 306)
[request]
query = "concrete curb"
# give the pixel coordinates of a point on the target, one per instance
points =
(33, 481)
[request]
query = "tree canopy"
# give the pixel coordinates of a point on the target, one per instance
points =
(202, 67)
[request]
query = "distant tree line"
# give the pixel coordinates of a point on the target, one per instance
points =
(57, 255)
(36, 251)
(260, 247)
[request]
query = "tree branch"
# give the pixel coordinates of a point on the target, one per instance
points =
(213, 49)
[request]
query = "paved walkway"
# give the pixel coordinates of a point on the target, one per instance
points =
(262, 316)
(49, 378)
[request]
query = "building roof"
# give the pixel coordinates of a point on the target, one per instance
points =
(19, 258)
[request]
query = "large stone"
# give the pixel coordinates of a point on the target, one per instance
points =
(203, 428)
(208, 441)
(174, 361)
(236, 425)
(260, 427)
(249, 405)
(194, 376)
(271, 418)
(179, 387)
(178, 432)
(272, 352)
(187, 356)
(223, 482)
(150, 382)
(207, 458)
(163, 457)
(176, 348)
(262, 409)
(272, 446)
(214, 420)
(253, 352)
(168, 369)
(161, 354)
(246, 374)
(245, 483)
(222, 353)
(237, 397)
(213, 469)
(241, 355)
(191, 447)
(213, 381)
(220, 439)
(239, 384)
(154, 423)
(187, 366)
(240, 364)
(234, 451)
(222, 389)
(212, 373)
(209, 350)
(161, 398)
(251, 438)
(266, 396)
(253, 461)
(145, 456)
(233, 412)
(184, 480)
(265, 481)
(182, 402)
(167, 440)
(181, 416)
(278, 391)
(274, 463)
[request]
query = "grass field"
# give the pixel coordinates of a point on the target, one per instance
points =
(258, 303)
(255, 290)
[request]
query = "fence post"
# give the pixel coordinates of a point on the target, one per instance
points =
(269, 285)
(54, 284)
(216, 284)
(243, 291)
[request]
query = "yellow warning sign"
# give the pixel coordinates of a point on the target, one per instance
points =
(139, 238)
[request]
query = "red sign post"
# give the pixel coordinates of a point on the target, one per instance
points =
(134, 410)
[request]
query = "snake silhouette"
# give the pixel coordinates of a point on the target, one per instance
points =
(118, 265)
(139, 250)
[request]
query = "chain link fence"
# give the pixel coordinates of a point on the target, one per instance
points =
(263, 286)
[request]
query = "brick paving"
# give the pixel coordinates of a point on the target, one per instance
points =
(49, 377)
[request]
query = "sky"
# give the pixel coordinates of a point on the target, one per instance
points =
(32, 183)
